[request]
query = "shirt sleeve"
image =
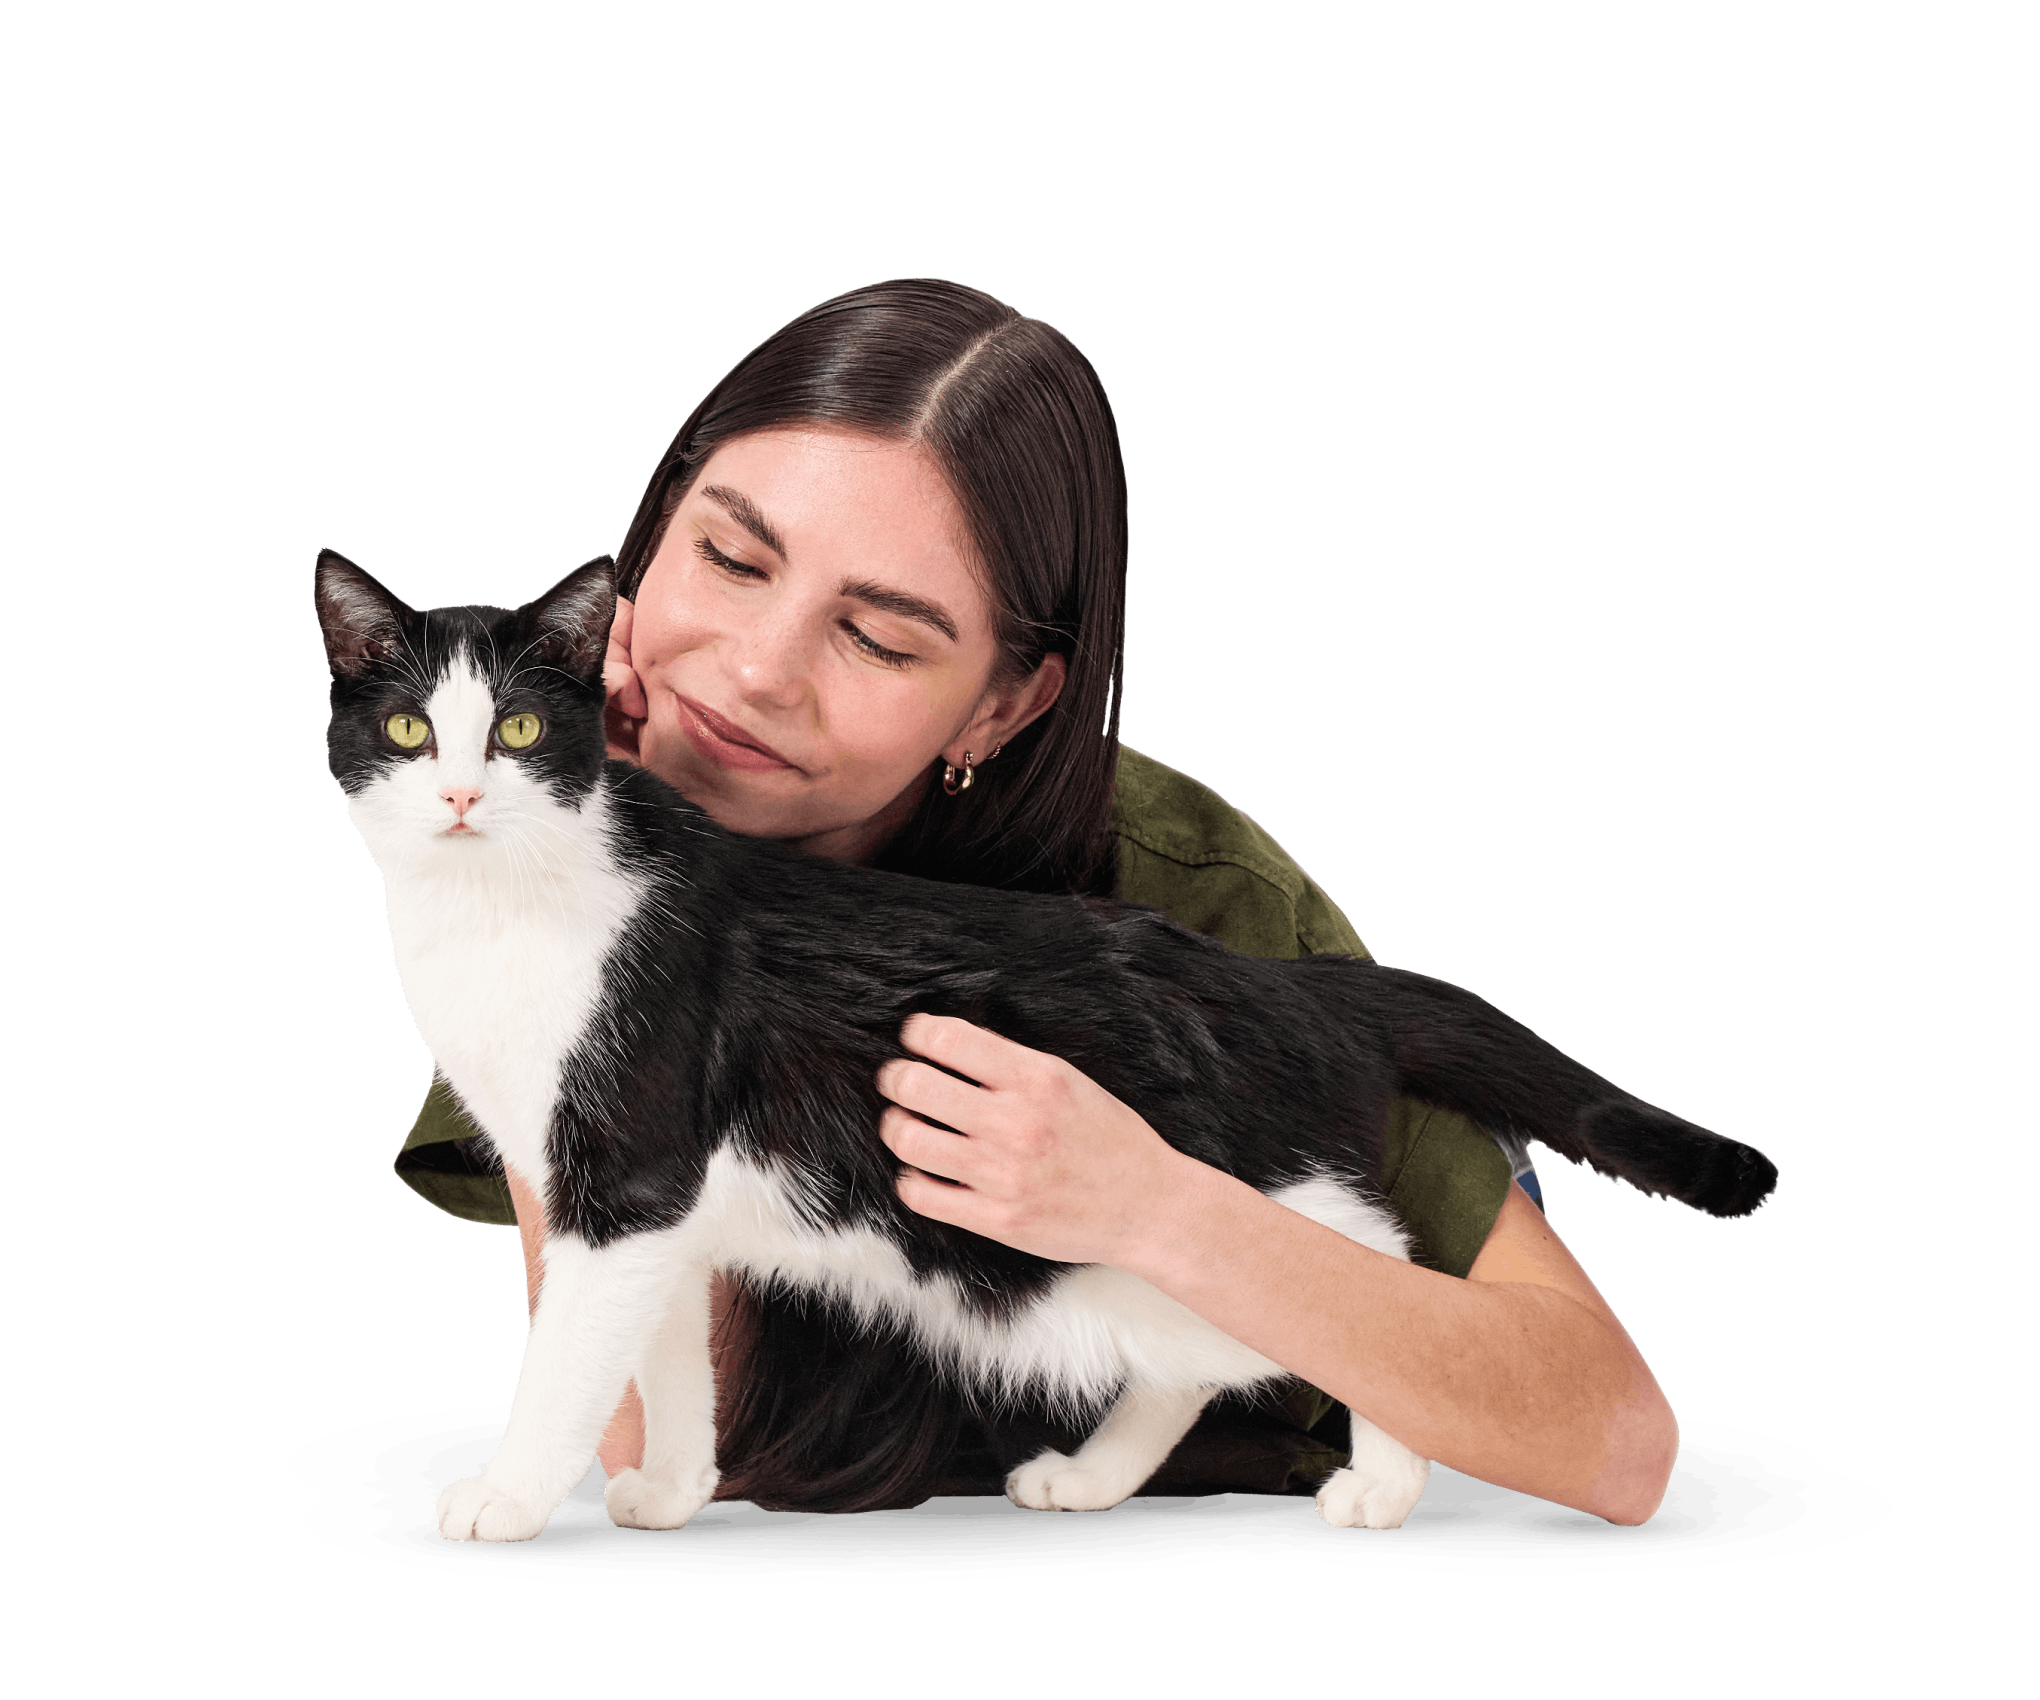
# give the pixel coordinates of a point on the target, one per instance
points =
(447, 1161)
(1445, 1179)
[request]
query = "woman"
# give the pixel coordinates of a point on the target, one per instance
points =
(873, 607)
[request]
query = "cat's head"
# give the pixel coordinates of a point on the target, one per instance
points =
(459, 734)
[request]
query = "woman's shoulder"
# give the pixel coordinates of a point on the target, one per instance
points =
(1183, 849)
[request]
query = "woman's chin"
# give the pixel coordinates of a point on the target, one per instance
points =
(780, 803)
(730, 798)
(666, 751)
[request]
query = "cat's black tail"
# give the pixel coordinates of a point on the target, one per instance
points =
(1454, 1050)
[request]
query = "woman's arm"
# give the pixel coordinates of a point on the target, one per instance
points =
(1519, 1374)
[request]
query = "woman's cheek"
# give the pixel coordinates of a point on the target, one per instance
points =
(896, 725)
(663, 633)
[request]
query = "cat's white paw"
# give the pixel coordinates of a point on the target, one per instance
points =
(1379, 1499)
(636, 1501)
(1055, 1483)
(480, 1510)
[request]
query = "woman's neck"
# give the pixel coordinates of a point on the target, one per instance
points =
(861, 842)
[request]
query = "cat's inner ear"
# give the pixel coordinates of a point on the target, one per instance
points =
(362, 621)
(570, 623)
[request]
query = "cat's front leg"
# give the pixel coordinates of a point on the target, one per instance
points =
(596, 1310)
(676, 1381)
(1379, 1488)
(1132, 1443)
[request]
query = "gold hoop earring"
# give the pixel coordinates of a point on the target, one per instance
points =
(951, 783)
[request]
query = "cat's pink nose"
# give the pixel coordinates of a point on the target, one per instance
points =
(462, 798)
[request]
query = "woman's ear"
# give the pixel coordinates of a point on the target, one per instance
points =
(1004, 712)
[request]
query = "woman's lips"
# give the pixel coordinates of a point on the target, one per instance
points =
(725, 744)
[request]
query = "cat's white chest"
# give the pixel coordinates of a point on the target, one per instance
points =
(502, 965)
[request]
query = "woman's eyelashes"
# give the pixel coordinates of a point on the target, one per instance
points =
(877, 651)
(726, 563)
(862, 641)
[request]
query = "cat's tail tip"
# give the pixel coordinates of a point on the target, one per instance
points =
(1662, 1153)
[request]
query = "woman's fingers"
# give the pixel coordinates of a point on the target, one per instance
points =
(621, 685)
(970, 1050)
(928, 1092)
(926, 1195)
(926, 1184)
(619, 628)
(932, 1150)
(1044, 1158)
(619, 734)
(990, 1144)
(624, 711)
(619, 675)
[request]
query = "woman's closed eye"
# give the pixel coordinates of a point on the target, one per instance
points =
(864, 643)
(725, 563)
(877, 651)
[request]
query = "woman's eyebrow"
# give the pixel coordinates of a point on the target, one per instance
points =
(902, 603)
(745, 512)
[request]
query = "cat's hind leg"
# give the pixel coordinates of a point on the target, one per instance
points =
(1132, 1443)
(1379, 1488)
(676, 1381)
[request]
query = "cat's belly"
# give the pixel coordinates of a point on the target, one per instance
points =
(1085, 1337)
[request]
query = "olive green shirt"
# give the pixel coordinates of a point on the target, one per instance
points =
(1185, 851)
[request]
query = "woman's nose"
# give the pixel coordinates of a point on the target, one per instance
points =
(769, 664)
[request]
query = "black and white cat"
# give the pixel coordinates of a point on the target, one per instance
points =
(671, 1033)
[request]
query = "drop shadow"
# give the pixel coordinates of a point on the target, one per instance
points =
(1715, 1496)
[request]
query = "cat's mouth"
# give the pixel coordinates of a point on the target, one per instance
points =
(460, 829)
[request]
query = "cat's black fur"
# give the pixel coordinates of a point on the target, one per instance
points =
(760, 991)
(784, 982)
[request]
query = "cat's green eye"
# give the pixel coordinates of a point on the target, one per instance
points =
(519, 731)
(407, 731)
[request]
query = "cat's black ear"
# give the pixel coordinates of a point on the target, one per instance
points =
(362, 621)
(570, 622)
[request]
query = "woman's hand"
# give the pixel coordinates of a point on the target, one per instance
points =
(1043, 1158)
(625, 710)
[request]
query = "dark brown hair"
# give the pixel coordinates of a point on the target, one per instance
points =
(815, 1414)
(1019, 424)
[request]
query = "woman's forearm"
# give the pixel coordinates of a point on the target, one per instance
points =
(1524, 1378)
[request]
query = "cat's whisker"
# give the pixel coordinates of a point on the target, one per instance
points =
(509, 672)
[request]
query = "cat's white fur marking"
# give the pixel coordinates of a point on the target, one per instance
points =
(1094, 1330)
(501, 934)
(500, 931)
(1379, 1486)
(638, 1307)
(1137, 1434)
